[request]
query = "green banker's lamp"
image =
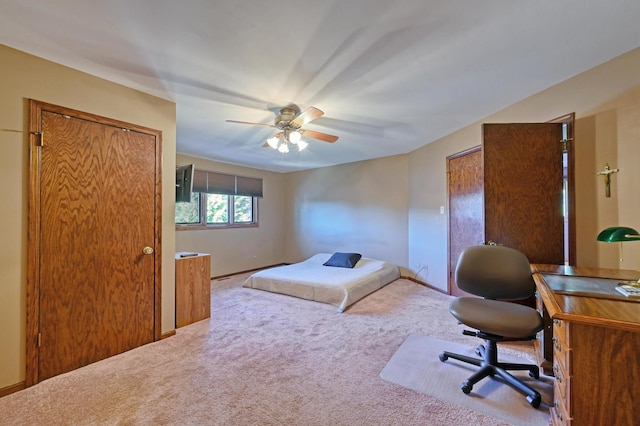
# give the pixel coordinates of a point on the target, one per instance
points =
(619, 234)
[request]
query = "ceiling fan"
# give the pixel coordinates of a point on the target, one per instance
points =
(290, 122)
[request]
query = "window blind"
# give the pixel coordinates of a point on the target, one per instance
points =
(220, 183)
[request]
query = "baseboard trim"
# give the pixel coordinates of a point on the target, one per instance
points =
(422, 283)
(168, 334)
(12, 389)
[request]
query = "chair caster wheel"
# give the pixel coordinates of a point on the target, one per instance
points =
(534, 401)
(466, 387)
(443, 357)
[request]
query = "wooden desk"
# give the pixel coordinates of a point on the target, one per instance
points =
(593, 345)
(193, 288)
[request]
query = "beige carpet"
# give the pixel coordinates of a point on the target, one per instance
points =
(263, 359)
(416, 366)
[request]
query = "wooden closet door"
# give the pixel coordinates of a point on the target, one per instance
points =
(466, 223)
(98, 248)
(523, 184)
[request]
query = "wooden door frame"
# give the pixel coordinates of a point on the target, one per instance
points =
(33, 228)
(569, 120)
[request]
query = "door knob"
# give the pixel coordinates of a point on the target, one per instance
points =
(147, 250)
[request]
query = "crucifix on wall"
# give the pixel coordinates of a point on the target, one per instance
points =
(607, 172)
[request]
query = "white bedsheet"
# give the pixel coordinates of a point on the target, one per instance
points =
(312, 280)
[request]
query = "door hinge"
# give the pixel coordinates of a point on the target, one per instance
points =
(39, 339)
(40, 136)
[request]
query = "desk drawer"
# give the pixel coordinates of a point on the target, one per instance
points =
(562, 386)
(561, 346)
(559, 413)
(561, 330)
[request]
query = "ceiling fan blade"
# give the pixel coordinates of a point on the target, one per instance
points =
(306, 116)
(251, 124)
(320, 136)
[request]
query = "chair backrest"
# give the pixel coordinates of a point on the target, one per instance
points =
(494, 272)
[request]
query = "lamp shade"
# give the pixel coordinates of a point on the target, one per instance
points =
(618, 233)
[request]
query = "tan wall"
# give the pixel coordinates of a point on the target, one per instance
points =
(241, 249)
(26, 77)
(606, 100)
(359, 207)
(611, 131)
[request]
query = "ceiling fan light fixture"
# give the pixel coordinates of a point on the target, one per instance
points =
(295, 137)
(273, 142)
(290, 122)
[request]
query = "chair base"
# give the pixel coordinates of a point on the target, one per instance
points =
(491, 367)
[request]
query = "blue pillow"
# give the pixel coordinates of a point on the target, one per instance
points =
(343, 260)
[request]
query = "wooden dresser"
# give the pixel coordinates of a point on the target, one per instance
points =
(193, 288)
(595, 348)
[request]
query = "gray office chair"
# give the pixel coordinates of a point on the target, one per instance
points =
(496, 273)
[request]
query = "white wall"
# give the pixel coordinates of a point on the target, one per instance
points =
(241, 249)
(357, 207)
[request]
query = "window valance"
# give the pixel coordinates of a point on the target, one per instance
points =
(220, 183)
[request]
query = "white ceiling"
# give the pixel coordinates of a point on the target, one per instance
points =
(391, 76)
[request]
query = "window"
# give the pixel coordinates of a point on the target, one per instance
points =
(217, 211)
(220, 201)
